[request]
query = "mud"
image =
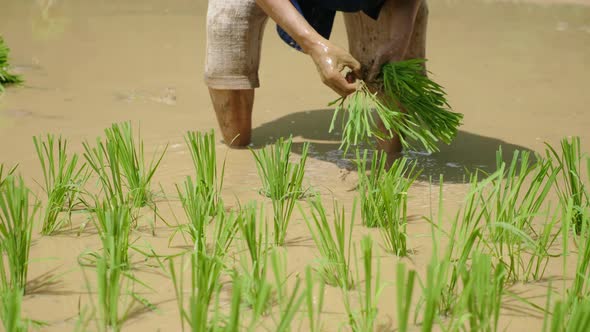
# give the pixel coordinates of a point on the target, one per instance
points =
(517, 70)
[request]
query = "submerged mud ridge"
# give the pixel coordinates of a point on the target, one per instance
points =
(516, 70)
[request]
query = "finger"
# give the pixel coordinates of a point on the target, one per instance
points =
(354, 66)
(341, 86)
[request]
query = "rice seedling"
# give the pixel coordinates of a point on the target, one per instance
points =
(570, 161)
(197, 210)
(202, 149)
(315, 304)
(204, 284)
(257, 290)
(413, 107)
(282, 181)
(288, 304)
(580, 287)
(11, 312)
(335, 249)
(116, 295)
(405, 291)
(120, 163)
(231, 322)
(63, 180)
(511, 208)
(226, 227)
(365, 319)
(5, 76)
(17, 216)
(114, 226)
(384, 199)
(481, 297)
(569, 318)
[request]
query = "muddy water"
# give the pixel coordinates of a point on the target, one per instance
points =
(518, 71)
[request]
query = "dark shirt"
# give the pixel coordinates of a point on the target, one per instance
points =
(320, 14)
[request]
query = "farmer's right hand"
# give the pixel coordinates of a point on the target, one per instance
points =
(331, 61)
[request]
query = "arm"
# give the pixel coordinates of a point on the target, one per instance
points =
(329, 59)
(402, 25)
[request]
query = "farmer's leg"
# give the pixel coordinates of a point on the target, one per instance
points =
(234, 35)
(366, 35)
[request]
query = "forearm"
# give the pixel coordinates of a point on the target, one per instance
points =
(402, 25)
(288, 18)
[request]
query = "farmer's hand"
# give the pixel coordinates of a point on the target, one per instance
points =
(331, 61)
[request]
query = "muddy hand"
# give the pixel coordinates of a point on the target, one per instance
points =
(330, 61)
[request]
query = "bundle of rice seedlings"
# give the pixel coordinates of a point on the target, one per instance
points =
(282, 181)
(335, 249)
(5, 76)
(17, 216)
(11, 312)
(412, 106)
(63, 180)
(114, 227)
(202, 149)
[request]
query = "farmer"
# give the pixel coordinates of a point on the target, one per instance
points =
(379, 31)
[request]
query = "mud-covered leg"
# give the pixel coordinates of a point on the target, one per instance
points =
(233, 109)
(366, 36)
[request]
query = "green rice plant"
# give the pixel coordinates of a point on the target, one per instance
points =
(17, 216)
(580, 287)
(10, 310)
(257, 290)
(197, 210)
(573, 318)
(288, 304)
(5, 76)
(335, 249)
(116, 295)
(481, 297)
(365, 318)
(570, 161)
(63, 180)
(282, 181)
(202, 149)
(512, 207)
(314, 311)
(131, 157)
(120, 163)
(411, 105)
(231, 322)
(114, 227)
(204, 285)
(384, 199)
(226, 227)
(405, 290)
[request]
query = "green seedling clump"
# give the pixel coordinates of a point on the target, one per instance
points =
(120, 165)
(63, 180)
(208, 184)
(17, 216)
(5, 76)
(571, 162)
(412, 107)
(335, 249)
(282, 182)
(384, 198)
